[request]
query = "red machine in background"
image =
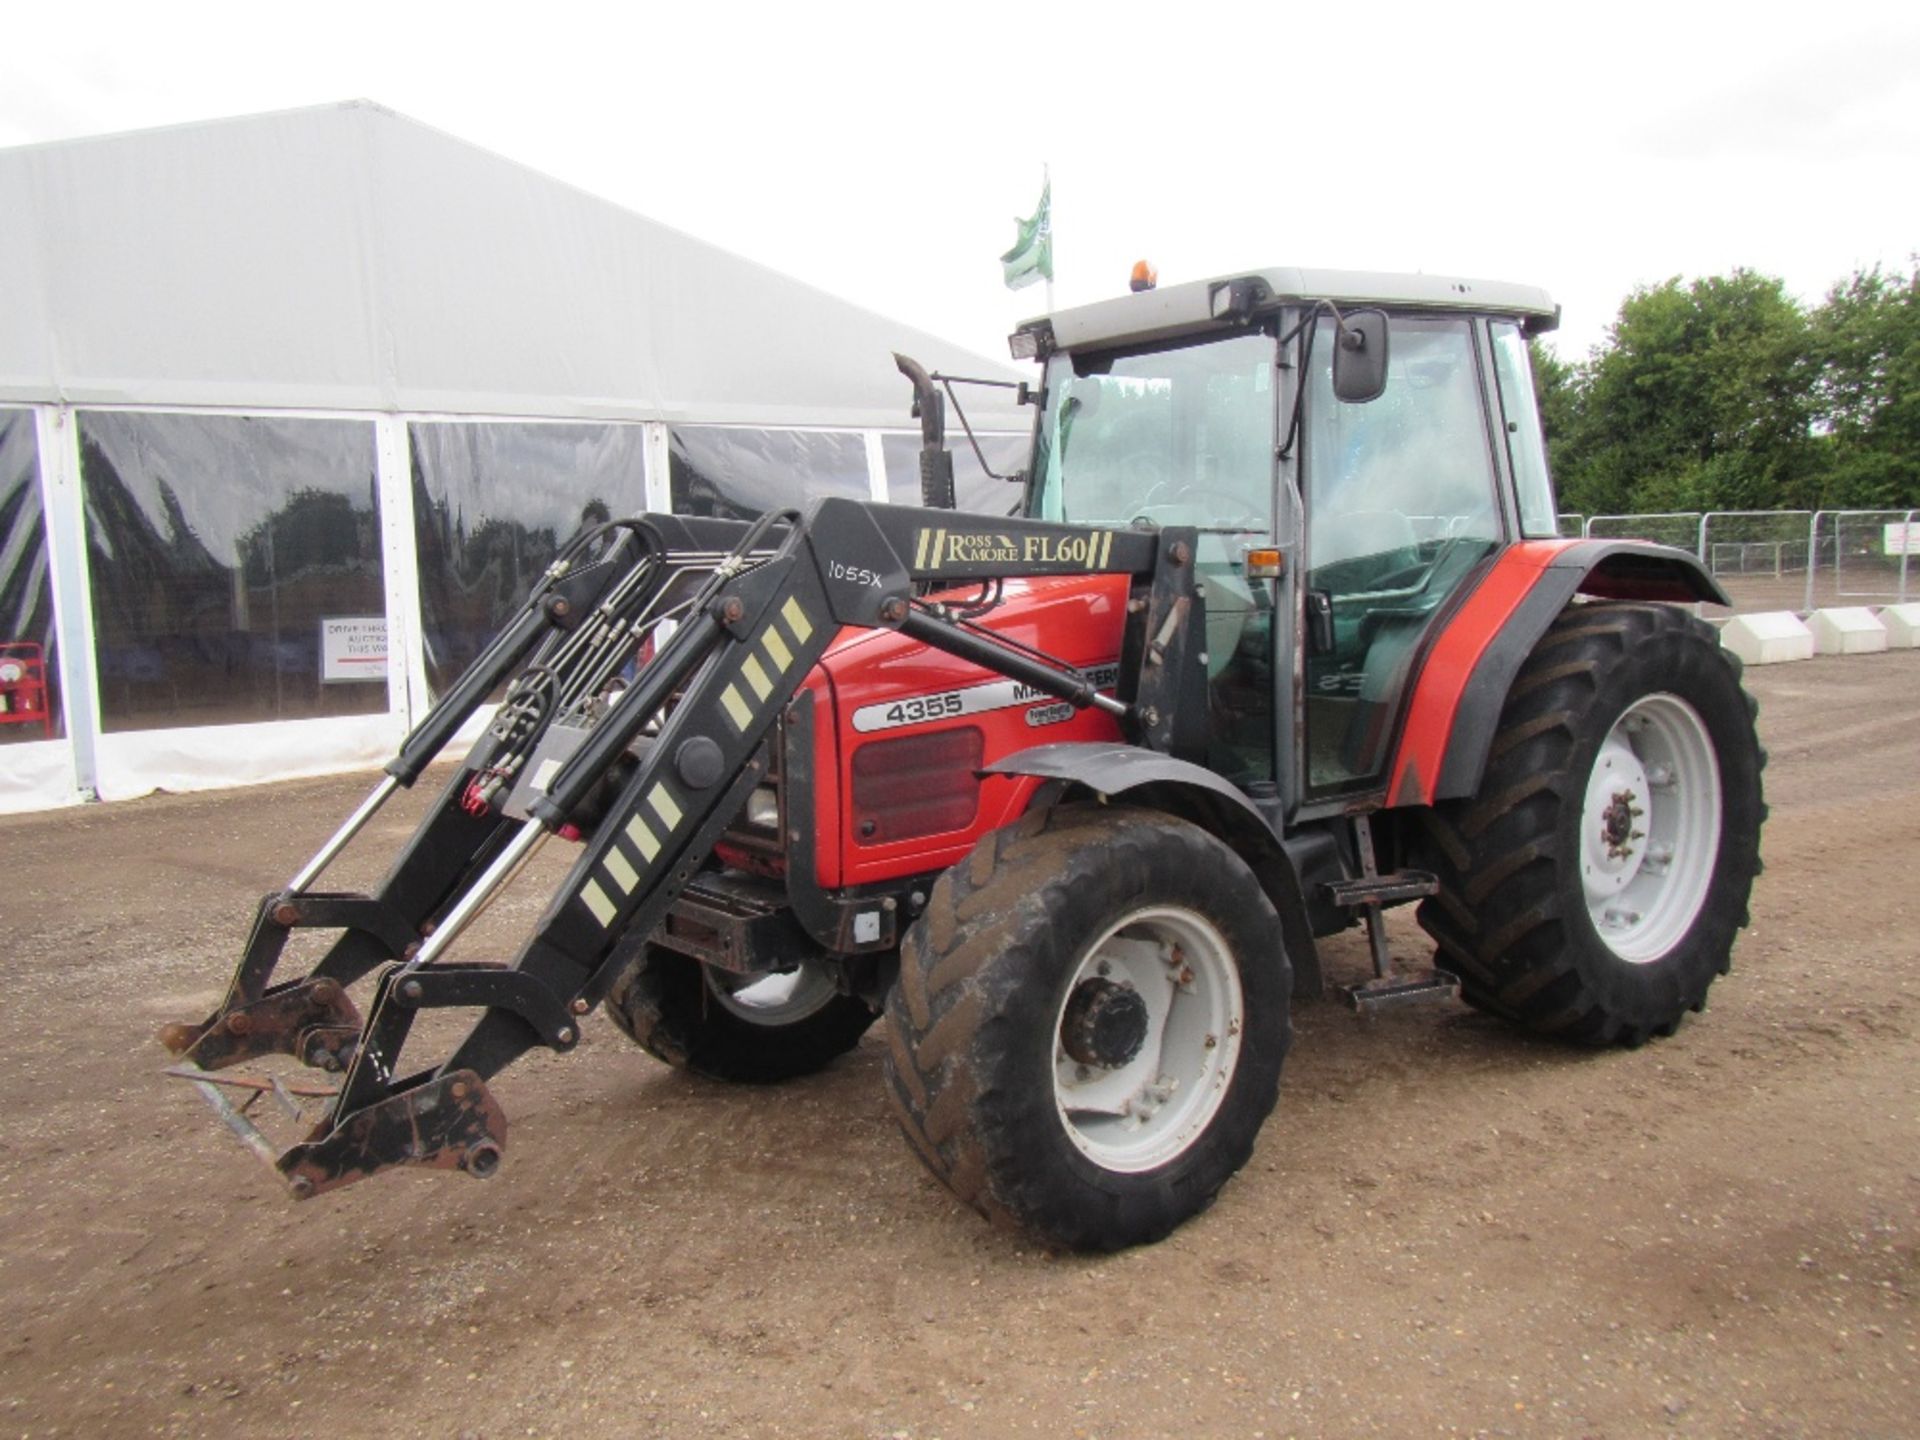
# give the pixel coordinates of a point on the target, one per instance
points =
(23, 686)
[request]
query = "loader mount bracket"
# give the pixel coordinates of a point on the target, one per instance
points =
(448, 1123)
(304, 1017)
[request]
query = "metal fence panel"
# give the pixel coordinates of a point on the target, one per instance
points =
(1760, 557)
(1680, 528)
(1783, 559)
(1871, 553)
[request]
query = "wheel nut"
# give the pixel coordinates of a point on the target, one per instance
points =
(239, 1023)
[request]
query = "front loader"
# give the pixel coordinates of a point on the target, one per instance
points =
(1278, 638)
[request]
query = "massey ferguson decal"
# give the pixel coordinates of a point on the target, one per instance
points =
(975, 700)
(937, 547)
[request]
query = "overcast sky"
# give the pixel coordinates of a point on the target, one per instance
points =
(881, 152)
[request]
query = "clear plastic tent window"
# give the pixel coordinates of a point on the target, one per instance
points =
(493, 503)
(221, 549)
(738, 473)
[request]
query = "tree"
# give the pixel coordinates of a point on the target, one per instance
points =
(1866, 342)
(1699, 401)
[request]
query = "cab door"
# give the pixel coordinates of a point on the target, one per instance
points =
(1183, 433)
(1402, 511)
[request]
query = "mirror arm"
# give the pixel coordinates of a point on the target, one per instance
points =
(1311, 324)
(946, 383)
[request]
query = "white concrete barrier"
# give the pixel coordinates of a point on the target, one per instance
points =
(1767, 638)
(1849, 630)
(1903, 626)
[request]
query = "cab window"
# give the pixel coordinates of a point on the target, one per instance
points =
(1526, 450)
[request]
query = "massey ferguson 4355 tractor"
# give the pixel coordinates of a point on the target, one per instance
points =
(1278, 634)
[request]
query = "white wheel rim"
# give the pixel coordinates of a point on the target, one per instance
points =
(772, 997)
(1650, 828)
(1148, 1111)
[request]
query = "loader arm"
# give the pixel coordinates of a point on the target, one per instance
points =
(646, 774)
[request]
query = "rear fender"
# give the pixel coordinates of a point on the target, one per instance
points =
(1470, 665)
(1159, 782)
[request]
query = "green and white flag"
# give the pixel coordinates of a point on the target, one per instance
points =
(1031, 257)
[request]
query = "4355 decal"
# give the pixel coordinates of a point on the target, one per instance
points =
(972, 700)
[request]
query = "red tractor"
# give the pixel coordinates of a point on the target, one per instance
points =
(1279, 634)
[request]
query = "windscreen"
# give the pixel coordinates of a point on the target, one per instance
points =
(1178, 436)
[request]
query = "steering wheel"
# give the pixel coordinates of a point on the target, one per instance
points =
(1230, 510)
(1420, 575)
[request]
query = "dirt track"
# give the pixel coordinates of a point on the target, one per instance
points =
(1447, 1228)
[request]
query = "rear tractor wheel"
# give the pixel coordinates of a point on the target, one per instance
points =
(1089, 1024)
(1595, 887)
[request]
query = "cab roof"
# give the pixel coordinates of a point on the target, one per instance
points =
(1154, 314)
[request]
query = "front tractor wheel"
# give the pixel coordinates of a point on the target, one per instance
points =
(1595, 887)
(758, 1028)
(1089, 1024)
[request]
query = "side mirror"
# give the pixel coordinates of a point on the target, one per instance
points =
(1360, 357)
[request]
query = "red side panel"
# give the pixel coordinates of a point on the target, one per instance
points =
(1449, 666)
(882, 686)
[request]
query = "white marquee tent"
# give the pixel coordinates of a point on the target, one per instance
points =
(294, 407)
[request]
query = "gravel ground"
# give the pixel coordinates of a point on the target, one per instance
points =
(1447, 1228)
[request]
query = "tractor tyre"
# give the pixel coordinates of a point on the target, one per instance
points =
(1593, 890)
(1089, 1023)
(758, 1029)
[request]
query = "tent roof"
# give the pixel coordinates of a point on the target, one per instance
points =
(346, 257)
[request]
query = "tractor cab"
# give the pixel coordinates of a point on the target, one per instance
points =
(1353, 450)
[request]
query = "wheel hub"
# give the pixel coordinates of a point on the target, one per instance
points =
(1611, 832)
(1616, 826)
(1650, 827)
(1105, 1024)
(775, 997)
